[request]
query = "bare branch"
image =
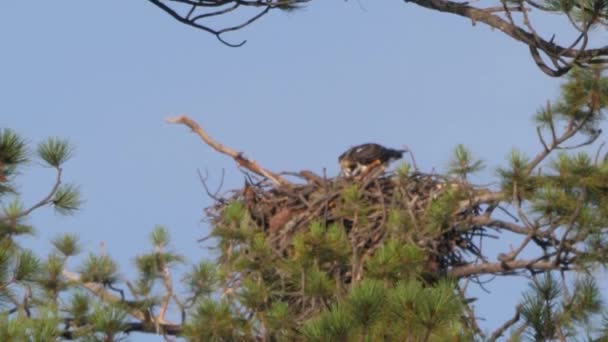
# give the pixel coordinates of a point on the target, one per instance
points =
(220, 8)
(45, 201)
(534, 41)
(237, 156)
(501, 330)
(503, 267)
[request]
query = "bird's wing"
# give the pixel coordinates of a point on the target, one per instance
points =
(367, 153)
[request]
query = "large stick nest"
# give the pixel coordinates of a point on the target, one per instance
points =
(431, 211)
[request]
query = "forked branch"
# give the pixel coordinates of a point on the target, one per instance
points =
(201, 10)
(560, 57)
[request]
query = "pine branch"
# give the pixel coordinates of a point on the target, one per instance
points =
(571, 130)
(45, 201)
(98, 290)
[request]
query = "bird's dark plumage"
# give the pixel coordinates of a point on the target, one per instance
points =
(361, 159)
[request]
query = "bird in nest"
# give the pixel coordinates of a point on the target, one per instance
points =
(360, 160)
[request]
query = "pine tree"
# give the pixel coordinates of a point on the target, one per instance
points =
(388, 257)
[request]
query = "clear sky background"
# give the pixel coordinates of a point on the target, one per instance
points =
(305, 87)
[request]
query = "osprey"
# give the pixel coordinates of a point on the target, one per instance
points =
(361, 159)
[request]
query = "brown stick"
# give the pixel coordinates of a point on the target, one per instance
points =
(238, 157)
(499, 267)
(501, 330)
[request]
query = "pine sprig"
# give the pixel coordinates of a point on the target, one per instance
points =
(99, 269)
(202, 280)
(67, 244)
(27, 267)
(13, 152)
(463, 163)
(67, 199)
(55, 151)
(160, 236)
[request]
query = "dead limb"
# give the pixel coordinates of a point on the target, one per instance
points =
(238, 157)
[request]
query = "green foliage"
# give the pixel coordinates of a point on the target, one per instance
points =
(318, 285)
(254, 295)
(395, 261)
(439, 213)
(351, 195)
(403, 171)
(202, 280)
(51, 281)
(13, 149)
(331, 276)
(373, 311)
(320, 245)
(67, 244)
(78, 308)
(366, 302)
(55, 151)
(153, 265)
(354, 205)
(584, 99)
(463, 162)
(550, 312)
(108, 319)
(332, 325)
(213, 321)
(99, 269)
(280, 320)
(553, 203)
(585, 302)
(160, 236)
(67, 199)
(13, 152)
(424, 311)
(399, 221)
(21, 328)
(14, 224)
(236, 225)
(27, 266)
(516, 181)
(234, 213)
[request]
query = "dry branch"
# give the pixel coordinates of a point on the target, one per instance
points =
(502, 267)
(238, 157)
(561, 57)
(501, 330)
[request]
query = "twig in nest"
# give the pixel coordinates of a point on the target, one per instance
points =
(238, 157)
(203, 180)
(411, 153)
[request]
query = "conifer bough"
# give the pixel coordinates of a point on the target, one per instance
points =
(303, 257)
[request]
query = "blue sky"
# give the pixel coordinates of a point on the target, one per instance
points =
(306, 86)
